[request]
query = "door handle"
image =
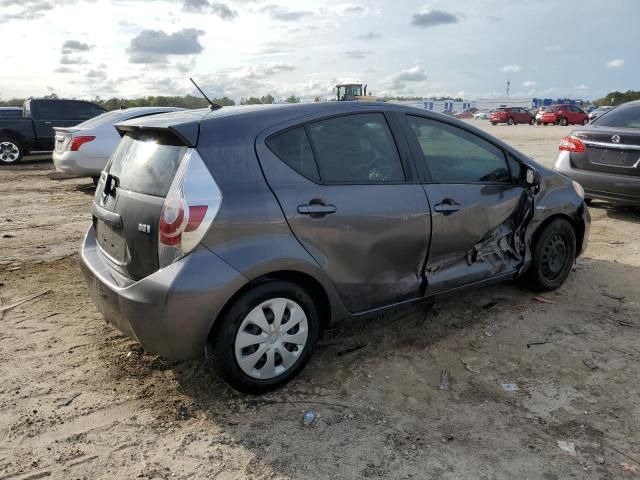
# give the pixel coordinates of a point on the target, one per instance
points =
(447, 206)
(316, 209)
(47, 123)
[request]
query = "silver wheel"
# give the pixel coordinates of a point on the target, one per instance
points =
(271, 338)
(9, 152)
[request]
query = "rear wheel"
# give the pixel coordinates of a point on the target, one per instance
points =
(553, 254)
(11, 151)
(564, 122)
(532, 121)
(494, 123)
(585, 121)
(266, 338)
(511, 121)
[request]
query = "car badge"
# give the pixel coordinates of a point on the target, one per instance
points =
(144, 228)
(615, 139)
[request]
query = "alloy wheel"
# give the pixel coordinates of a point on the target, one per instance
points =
(271, 338)
(9, 152)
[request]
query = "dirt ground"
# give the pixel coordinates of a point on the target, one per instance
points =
(80, 400)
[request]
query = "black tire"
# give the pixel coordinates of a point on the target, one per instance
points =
(95, 181)
(563, 122)
(11, 151)
(220, 349)
(554, 252)
(511, 121)
(494, 123)
(532, 121)
(585, 121)
(588, 201)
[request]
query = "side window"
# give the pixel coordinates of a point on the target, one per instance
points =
(356, 148)
(454, 155)
(293, 148)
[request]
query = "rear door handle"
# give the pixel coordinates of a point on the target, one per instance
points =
(47, 123)
(316, 209)
(447, 206)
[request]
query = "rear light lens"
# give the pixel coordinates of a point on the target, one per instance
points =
(77, 142)
(191, 205)
(571, 144)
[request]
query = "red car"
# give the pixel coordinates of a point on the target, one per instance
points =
(564, 115)
(511, 116)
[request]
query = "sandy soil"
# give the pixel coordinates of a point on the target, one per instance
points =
(79, 400)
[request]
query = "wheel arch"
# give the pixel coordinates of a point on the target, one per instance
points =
(575, 222)
(315, 289)
(14, 135)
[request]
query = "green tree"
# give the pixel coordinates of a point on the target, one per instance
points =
(250, 101)
(267, 99)
(292, 99)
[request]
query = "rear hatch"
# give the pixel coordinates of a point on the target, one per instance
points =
(608, 150)
(132, 189)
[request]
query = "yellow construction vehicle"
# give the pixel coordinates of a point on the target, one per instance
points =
(348, 92)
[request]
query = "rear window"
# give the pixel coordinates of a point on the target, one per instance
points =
(109, 117)
(9, 113)
(146, 162)
(624, 116)
(64, 109)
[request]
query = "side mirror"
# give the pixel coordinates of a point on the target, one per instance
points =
(532, 178)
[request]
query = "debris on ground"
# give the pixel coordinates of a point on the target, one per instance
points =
(611, 295)
(590, 364)
(473, 364)
(352, 349)
(510, 387)
(543, 300)
(530, 344)
(626, 324)
(309, 417)
(445, 380)
(568, 447)
(21, 301)
(70, 399)
(630, 467)
(599, 460)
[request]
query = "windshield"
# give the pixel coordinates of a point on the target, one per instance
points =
(624, 116)
(146, 162)
(109, 117)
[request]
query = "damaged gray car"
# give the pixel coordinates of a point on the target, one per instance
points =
(242, 233)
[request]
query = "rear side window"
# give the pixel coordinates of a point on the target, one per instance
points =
(146, 163)
(356, 149)
(624, 116)
(294, 149)
(65, 109)
(454, 155)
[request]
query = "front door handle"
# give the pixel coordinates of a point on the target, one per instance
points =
(47, 123)
(316, 209)
(447, 206)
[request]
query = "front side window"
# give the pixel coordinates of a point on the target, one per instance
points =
(454, 155)
(356, 148)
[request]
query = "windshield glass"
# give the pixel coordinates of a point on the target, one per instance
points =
(109, 117)
(624, 116)
(146, 162)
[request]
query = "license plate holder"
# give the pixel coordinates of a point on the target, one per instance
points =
(111, 241)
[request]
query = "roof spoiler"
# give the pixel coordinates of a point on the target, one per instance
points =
(187, 132)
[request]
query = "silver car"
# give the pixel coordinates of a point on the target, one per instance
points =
(84, 150)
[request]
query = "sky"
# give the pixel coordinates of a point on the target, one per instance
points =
(240, 48)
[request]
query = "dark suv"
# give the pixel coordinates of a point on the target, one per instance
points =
(245, 232)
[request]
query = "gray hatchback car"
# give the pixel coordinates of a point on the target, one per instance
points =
(244, 232)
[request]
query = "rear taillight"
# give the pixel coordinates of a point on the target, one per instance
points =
(77, 142)
(191, 205)
(571, 144)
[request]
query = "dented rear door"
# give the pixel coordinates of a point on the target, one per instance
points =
(475, 203)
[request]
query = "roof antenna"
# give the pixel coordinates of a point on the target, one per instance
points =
(212, 106)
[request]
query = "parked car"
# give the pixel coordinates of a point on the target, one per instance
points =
(34, 129)
(511, 116)
(604, 156)
(463, 114)
(598, 111)
(483, 115)
(84, 150)
(564, 115)
(539, 114)
(10, 112)
(245, 232)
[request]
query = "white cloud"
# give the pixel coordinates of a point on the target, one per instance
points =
(529, 83)
(399, 79)
(347, 9)
(617, 63)
(552, 48)
(511, 68)
(581, 88)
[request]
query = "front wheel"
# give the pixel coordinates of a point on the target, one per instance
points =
(585, 121)
(510, 122)
(564, 122)
(532, 121)
(494, 123)
(554, 252)
(11, 151)
(266, 338)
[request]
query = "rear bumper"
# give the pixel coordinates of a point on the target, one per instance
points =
(74, 163)
(623, 189)
(171, 311)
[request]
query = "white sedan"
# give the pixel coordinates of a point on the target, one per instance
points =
(85, 149)
(484, 115)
